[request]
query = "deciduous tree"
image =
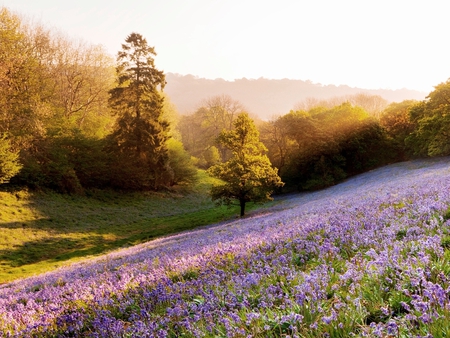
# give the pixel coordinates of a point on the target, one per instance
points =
(19, 81)
(200, 130)
(183, 170)
(318, 148)
(395, 120)
(9, 160)
(248, 175)
(431, 136)
(372, 104)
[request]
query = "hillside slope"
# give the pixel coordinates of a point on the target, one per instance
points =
(265, 97)
(369, 256)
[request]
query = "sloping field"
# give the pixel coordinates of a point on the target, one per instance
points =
(41, 231)
(369, 257)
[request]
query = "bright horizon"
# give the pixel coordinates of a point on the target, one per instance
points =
(367, 44)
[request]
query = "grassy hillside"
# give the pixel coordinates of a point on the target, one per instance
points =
(43, 231)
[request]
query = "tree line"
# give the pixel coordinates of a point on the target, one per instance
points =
(322, 142)
(72, 118)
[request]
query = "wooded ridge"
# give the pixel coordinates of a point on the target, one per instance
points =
(266, 98)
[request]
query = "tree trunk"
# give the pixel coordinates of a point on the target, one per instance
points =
(242, 203)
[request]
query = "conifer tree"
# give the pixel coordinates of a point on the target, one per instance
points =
(248, 174)
(140, 135)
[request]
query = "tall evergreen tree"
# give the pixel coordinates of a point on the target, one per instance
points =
(248, 174)
(140, 135)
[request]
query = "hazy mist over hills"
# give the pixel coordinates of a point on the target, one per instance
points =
(266, 98)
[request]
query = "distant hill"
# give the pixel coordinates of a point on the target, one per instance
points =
(265, 97)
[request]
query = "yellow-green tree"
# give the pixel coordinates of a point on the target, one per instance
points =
(248, 175)
(431, 117)
(9, 160)
(18, 81)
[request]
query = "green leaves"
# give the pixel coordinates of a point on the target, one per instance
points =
(9, 160)
(431, 136)
(248, 174)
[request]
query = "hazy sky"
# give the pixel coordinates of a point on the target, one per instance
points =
(370, 44)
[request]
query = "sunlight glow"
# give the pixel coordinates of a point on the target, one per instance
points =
(370, 44)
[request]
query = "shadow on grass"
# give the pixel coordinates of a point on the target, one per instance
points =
(63, 242)
(47, 230)
(54, 249)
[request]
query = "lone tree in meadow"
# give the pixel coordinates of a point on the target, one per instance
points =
(140, 135)
(248, 174)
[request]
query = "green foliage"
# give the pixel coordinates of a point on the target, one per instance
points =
(248, 174)
(19, 81)
(171, 115)
(56, 98)
(210, 157)
(66, 164)
(372, 104)
(432, 119)
(9, 160)
(395, 120)
(52, 90)
(365, 147)
(321, 147)
(200, 130)
(138, 143)
(181, 164)
(89, 160)
(50, 85)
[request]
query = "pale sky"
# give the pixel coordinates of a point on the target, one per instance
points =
(371, 44)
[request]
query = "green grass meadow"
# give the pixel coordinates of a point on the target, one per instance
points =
(43, 231)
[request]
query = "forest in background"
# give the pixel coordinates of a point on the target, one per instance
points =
(267, 98)
(63, 128)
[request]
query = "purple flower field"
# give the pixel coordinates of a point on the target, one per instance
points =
(367, 258)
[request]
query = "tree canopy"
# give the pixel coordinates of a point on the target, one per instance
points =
(71, 125)
(9, 164)
(200, 130)
(248, 175)
(140, 135)
(431, 135)
(320, 147)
